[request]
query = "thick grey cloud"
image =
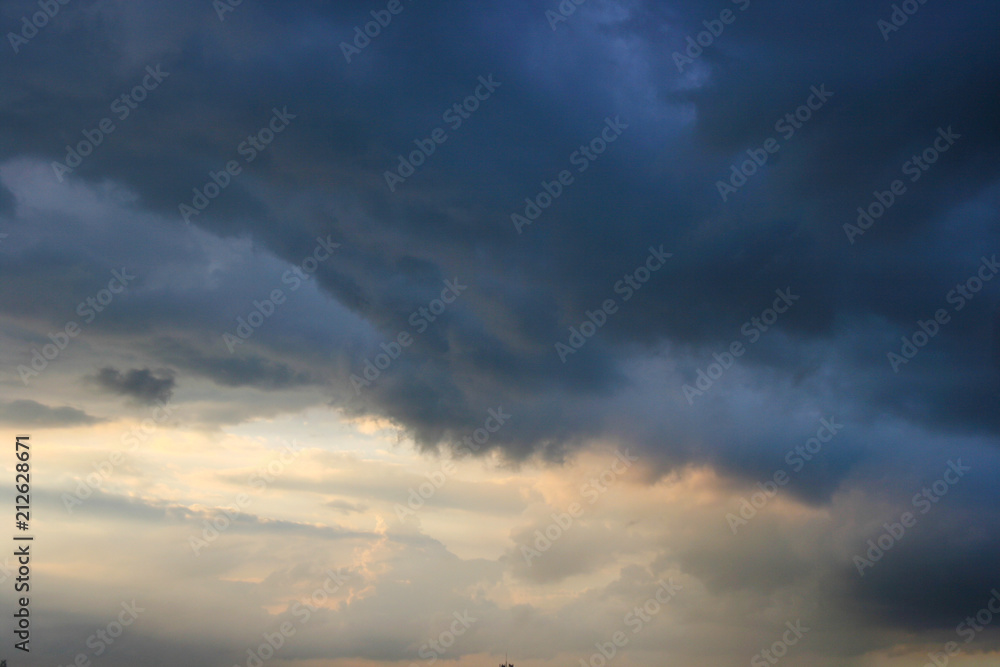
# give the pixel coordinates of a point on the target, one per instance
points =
(27, 414)
(139, 384)
(399, 247)
(656, 184)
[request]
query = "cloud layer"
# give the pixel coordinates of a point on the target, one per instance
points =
(693, 231)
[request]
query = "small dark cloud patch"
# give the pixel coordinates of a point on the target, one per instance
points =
(142, 385)
(346, 507)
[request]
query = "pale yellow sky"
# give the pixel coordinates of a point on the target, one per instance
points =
(613, 531)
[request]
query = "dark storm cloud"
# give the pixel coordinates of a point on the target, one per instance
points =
(6, 201)
(25, 413)
(656, 184)
(934, 574)
(140, 384)
(784, 229)
(233, 371)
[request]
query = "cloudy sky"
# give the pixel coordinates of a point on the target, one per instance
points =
(411, 333)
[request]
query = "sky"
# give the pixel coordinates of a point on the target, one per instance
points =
(404, 333)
